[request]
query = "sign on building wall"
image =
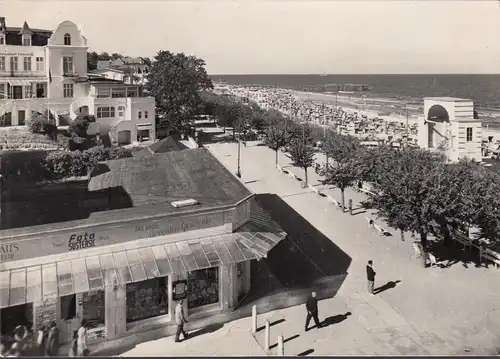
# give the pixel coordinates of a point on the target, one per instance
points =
(98, 236)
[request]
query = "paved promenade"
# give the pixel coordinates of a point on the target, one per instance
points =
(434, 311)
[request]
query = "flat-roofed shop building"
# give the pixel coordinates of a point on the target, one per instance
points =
(124, 267)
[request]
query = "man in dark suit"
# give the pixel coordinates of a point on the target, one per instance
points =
(312, 311)
(370, 275)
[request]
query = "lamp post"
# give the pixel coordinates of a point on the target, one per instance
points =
(238, 171)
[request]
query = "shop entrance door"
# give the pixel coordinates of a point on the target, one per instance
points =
(71, 312)
(241, 290)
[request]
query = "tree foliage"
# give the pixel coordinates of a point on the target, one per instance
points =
(175, 81)
(302, 156)
(278, 134)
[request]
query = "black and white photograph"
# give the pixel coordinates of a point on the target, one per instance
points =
(249, 178)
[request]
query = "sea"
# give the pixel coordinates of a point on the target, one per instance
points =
(484, 90)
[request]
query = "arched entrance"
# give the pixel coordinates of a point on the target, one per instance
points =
(124, 137)
(6, 119)
(437, 116)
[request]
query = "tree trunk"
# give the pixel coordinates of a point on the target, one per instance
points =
(402, 235)
(276, 151)
(305, 174)
(342, 199)
(445, 232)
(423, 242)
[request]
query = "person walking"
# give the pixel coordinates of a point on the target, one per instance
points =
(312, 311)
(73, 349)
(82, 349)
(53, 341)
(370, 275)
(180, 319)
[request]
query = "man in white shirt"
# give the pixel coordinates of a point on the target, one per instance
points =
(180, 319)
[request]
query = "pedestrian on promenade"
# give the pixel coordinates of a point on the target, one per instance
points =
(73, 349)
(180, 319)
(53, 341)
(82, 349)
(370, 275)
(312, 311)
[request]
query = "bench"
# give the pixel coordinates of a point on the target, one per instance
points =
(462, 239)
(365, 191)
(381, 230)
(279, 168)
(334, 201)
(432, 259)
(314, 189)
(292, 175)
(490, 255)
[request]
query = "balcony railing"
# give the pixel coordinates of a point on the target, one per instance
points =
(70, 74)
(12, 73)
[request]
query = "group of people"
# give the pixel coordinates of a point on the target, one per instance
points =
(23, 342)
(312, 301)
(318, 113)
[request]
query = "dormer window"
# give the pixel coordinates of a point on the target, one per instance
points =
(26, 40)
(67, 39)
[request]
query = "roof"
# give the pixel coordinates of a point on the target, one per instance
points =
(125, 189)
(165, 145)
(103, 64)
(25, 30)
(447, 99)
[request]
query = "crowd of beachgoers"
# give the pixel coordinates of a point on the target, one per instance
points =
(363, 124)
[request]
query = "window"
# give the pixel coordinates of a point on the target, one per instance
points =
(103, 92)
(39, 64)
(27, 91)
(67, 65)
(117, 92)
(67, 39)
(13, 63)
(139, 114)
(27, 64)
(145, 114)
(469, 134)
(40, 90)
(105, 112)
(2, 63)
(2, 39)
(68, 90)
(203, 287)
(2, 92)
(132, 92)
(26, 40)
(147, 299)
(121, 110)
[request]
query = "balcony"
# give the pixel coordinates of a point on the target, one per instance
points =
(70, 74)
(12, 73)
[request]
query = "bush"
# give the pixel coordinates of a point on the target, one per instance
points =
(62, 164)
(80, 126)
(35, 124)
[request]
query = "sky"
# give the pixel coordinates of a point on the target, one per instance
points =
(287, 37)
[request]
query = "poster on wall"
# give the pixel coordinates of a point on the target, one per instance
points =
(179, 290)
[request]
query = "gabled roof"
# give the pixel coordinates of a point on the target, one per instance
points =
(103, 64)
(165, 145)
(25, 30)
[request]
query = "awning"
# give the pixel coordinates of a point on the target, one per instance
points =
(15, 82)
(50, 280)
(144, 126)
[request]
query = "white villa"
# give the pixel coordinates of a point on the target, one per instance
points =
(44, 71)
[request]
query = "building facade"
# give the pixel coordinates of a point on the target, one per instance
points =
(449, 126)
(123, 270)
(45, 72)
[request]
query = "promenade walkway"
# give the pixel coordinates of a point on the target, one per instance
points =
(434, 311)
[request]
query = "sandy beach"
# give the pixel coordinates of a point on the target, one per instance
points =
(351, 103)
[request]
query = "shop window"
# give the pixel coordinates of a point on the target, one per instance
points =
(94, 309)
(147, 299)
(203, 287)
(469, 134)
(11, 317)
(68, 307)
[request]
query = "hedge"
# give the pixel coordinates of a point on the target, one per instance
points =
(64, 164)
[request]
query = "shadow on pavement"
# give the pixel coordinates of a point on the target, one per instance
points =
(305, 353)
(286, 340)
(335, 319)
(276, 322)
(453, 253)
(205, 330)
(306, 254)
(386, 286)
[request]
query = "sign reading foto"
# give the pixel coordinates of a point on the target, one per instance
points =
(91, 237)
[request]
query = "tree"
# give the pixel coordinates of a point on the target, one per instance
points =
(407, 190)
(278, 135)
(115, 56)
(104, 56)
(345, 169)
(175, 80)
(302, 156)
(92, 58)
